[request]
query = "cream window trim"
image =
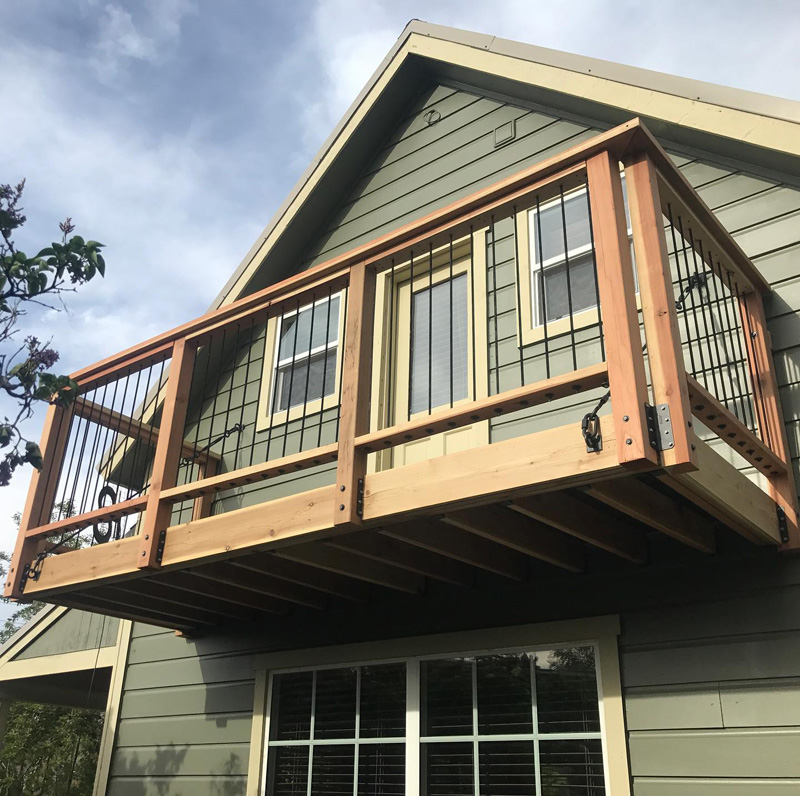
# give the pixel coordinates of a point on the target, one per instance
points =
(395, 285)
(266, 419)
(532, 329)
(601, 632)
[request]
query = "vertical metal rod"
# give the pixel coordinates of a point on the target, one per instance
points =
(542, 288)
(569, 280)
(690, 296)
(472, 296)
(244, 390)
(451, 320)
(154, 402)
(291, 380)
(680, 285)
(308, 371)
(74, 440)
(596, 282)
(517, 283)
(411, 352)
(430, 326)
(390, 418)
(78, 473)
(708, 336)
(217, 385)
(494, 302)
(746, 390)
(275, 371)
(723, 304)
(96, 464)
(341, 366)
(202, 393)
(136, 444)
(230, 391)
(325, 365)
(715, 334)
(119, 435)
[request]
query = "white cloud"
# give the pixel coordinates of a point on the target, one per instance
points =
(119, 38)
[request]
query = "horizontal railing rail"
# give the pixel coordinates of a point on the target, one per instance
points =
(522, 295)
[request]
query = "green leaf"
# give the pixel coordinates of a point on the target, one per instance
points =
(77, 240)
(47, 251)
(101, 265)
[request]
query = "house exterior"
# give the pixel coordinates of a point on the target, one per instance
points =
(407, 542)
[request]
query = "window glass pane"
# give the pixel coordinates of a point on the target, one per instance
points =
(291, 709)
(381, 769)
(323, 365)
(383, 701)
(566, 690)
(288, 771)
(335, 706)
(332, 770)
(571, 768)
(507, 768)
(547, 228)
(296, 330)
(582, 283)
(447, 770)
(446, 697)
(430, 362)
(504, 695)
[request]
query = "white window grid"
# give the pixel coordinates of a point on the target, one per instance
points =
(298, 357)
(573, 253)
(414, 739)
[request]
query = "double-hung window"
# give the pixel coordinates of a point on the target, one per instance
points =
(561, 278)
(519, 723)
(303, 359)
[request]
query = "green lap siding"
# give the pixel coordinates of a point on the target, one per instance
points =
(74, 631)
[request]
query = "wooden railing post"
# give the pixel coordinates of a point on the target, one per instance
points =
(626, 373)
(768, 407)
(356, 377)
(41, 492)
(167, 455)
(664, 351)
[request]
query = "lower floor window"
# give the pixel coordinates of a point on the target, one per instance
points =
(523, 723)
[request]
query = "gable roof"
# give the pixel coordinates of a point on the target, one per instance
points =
(761, 129)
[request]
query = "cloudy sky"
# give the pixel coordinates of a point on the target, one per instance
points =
(172, 129)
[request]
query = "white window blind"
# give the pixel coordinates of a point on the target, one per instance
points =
(439, 345)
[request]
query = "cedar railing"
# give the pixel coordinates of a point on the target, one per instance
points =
(143, 448)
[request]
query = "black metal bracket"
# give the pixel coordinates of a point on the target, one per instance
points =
(162, 540)
(659, 427)
(360, 498)
(590, 428)
(783, 528)
(31, 571)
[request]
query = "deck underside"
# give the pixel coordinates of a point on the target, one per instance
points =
(497, 508)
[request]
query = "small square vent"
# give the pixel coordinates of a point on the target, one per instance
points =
(505, 133)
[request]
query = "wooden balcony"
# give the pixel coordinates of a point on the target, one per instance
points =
(217, 473)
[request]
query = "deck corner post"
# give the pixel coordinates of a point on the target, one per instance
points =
(664, 351)
(356, 388)
(626, 373)
(169, 447)
(41, 494)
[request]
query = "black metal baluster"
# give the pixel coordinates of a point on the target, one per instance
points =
(291, 380)
(411, 352)
(308, 372)
(720, 349)
(341, 367)
(451, 320)
(430, 327)
(542, 288)
(680, 285)
(276, 377)
(495, 321)
(689, 296)
(569, 280)
(226, 427)
(699, 288)
(758, 392)
(596, 281)
(245, 387)
(746, 388)
(325, 365)
(518, 285)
